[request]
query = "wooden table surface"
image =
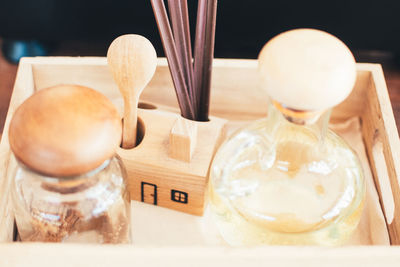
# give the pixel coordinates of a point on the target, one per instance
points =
(8, 72)
(7, 78)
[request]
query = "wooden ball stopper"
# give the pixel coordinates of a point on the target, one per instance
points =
(65, 130)
(307, 69)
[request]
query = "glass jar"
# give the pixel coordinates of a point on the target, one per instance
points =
(69, 185)
(92, 207)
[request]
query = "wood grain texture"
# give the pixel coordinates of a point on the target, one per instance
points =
(183, 139)
(383, 147)
(392, 77)
(150, 163)
(65, 130)
(7, 78)
(132, 60)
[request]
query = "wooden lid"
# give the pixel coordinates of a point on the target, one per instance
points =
(307, 69)
(65, 130)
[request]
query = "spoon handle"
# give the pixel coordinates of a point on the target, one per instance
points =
(130, 123)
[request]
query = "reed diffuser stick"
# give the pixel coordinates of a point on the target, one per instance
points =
(208, 55)
(181, 29)
(199, 50)
(192, 77)
(173, 60)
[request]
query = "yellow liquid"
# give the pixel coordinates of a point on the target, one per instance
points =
(277, 183)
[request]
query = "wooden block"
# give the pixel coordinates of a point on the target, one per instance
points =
(182, 139)
(155, 177)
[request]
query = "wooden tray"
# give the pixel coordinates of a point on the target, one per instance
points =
(237, 97)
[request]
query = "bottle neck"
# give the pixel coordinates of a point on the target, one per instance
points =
(300, 117)
(317, 120)
(66, 185)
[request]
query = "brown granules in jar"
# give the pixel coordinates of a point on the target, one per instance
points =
(62, 226)
(48, 231)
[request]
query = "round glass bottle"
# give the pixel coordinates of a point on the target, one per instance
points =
(287, 179)
(69, 185)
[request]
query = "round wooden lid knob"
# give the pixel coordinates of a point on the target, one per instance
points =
(65, 130)
(307, 69)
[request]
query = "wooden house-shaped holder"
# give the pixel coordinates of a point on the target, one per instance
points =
(170, 165)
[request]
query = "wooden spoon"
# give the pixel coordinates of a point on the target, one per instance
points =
(132, 60)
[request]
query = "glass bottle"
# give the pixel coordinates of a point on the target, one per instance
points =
(69, 184)
(287, 179)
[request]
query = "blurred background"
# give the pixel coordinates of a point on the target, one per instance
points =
(86, 27)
